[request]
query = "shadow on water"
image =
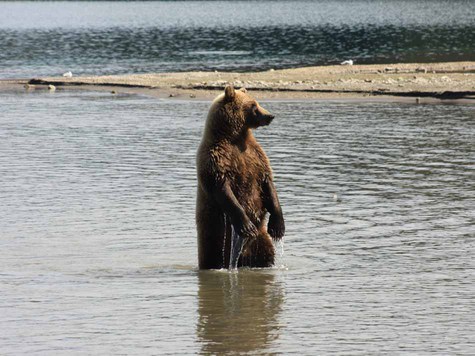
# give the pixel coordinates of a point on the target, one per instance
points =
(238, 312)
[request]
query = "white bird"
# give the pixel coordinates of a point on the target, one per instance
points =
(68, 74)
(348, 62)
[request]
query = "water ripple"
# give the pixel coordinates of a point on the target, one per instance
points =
(98, 236)
(124, 37)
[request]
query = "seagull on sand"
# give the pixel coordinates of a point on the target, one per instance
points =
(68, 74)
(348, 62)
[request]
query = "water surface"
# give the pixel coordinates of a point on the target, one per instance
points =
(98, 238)
(50, 38)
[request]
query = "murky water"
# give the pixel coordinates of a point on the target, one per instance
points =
(98, 239)
(107, 37)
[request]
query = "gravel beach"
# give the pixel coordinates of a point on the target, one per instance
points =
(450, 80)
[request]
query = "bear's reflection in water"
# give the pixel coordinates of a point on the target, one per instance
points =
(238, 311)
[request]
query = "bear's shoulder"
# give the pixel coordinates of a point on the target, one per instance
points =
(214, 161)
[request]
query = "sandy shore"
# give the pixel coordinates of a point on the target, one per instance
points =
(452, 80)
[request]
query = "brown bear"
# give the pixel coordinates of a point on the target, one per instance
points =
(235, 187)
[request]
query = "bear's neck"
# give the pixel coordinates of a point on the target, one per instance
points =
(245, 139)
(242, 140)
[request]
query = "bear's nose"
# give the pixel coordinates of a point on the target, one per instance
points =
(271, 117)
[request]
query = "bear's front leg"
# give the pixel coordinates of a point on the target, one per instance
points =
(230, 205)
(245, 229)
(276, 225)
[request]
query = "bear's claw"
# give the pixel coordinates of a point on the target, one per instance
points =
(247, 230)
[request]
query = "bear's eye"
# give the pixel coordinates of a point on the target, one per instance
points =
(254, 109)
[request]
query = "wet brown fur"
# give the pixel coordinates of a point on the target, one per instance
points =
(229, 152)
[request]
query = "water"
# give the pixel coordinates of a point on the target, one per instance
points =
(50, 38)
(99, 244)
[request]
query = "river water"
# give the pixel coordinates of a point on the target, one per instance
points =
(99, 244)
(110, 37)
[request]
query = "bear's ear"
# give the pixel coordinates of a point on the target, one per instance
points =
(229, 92)
(243, 90)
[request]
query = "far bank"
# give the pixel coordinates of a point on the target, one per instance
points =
(450, 80)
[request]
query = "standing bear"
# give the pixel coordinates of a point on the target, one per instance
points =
(235, 187)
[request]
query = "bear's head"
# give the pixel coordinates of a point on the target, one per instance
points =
(234, 113)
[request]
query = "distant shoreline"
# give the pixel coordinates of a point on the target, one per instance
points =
(449, 80)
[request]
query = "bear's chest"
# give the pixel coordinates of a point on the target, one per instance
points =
(248, 167)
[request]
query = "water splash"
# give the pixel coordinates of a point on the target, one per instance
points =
(280, 245)
(279, 262)
(224, 240)
(237, 243)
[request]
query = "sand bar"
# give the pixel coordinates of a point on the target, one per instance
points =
(450, 80)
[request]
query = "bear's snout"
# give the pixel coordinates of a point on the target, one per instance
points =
(266, 120)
